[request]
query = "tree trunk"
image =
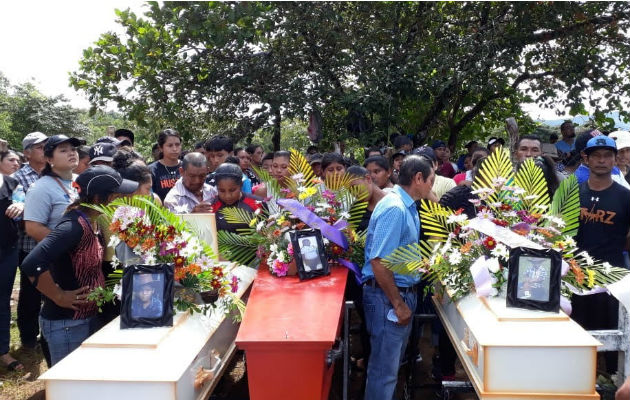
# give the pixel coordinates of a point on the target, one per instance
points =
(277, 118)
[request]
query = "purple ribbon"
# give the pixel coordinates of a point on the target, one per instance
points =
(354, 268)
(332, 233)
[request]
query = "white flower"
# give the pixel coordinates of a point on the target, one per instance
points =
(344, 215)
(456, 218)
(493, 265)
(118, 290)
(498, 181)
(326, 242)
(501, 251)
(569, 241)
(298, 177)
(536, 237)
(589, 260)
(607, 268)
(301, 188)
(519, 191)
(531, 197)
(510, 214)
(260, 225)
(455, 257)
(282, 257)
(258, 211)
(113, 241)
(204, 262)
(496, 204)
(273, 248)
(115, 262)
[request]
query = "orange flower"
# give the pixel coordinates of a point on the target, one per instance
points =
(536, 215)
(148, 244)
(133, 241)
(577, 271)
(114, 226)
(545, 232)
(300, 225)
(286, 224)
(466, 248)
(277, 233)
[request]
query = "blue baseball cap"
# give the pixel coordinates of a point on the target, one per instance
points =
(437, 144)
(427, 152)
(600, 142)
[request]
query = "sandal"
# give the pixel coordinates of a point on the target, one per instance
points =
(14, 365)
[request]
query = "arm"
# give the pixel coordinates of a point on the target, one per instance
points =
(36, 230)
(385, 279)
(62, 239)
(624, 391)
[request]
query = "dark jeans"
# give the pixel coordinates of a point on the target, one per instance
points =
(8, 266)
(29, 304)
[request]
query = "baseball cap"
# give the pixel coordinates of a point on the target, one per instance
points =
(399, 153)
(103, 179)
(583, 138)
(600, 142)
(102, 152)
(437, 144)
(109, 139)
(56, 140)
(427, 152)
(621, 138)
(33, 138)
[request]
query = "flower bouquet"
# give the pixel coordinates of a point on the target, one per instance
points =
(511, 207)
(150, 234)
(334, 206)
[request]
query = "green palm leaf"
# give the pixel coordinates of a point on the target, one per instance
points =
(530, 178)
(337, 182)
(566, 205)
(433, 218)
(237, 248)
(497, 165)
(409, 259)
(298, 164)
(272, 185)
(238, 216)
(358, 208)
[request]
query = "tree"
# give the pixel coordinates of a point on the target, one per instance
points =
(373, 70)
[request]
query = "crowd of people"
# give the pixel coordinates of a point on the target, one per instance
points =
(49, 233)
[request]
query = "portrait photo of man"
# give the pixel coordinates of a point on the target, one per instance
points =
(148, 291)
(533, 279)
(310, 254)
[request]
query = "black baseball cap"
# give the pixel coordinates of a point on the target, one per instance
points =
(102, 152)
(427, 152)
(109, 139)
(582, 139)
(56, 140)
(102, 179)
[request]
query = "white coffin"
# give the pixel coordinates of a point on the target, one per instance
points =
(152, 363)
(520, 354)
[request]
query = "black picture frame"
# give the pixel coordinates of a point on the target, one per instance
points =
(147, 296)
(534, 279)
(309, 253)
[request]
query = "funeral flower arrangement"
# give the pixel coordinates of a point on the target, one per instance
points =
(303, 202)
(511, 207)
(150, 234)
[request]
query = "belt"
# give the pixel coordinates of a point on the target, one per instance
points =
(373, 284)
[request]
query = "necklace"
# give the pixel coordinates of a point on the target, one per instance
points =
(169, 171)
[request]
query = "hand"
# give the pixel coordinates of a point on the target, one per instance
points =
(72, 299)
(403, 313)
(14, 210)
(202, 208)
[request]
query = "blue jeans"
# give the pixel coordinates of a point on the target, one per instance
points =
(388, 342)
(64, 335)
(8, 267)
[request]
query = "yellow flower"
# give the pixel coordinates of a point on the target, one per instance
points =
(591, 278)
(307, 193)
(253, 222)
(280, 220)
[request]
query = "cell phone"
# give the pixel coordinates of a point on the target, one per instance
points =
(391, 315)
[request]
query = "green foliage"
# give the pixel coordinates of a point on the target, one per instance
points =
(497, 166)
(237, 248)
(530, 178)
(374, 70)
(566, 204)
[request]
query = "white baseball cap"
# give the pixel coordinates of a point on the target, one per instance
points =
(622, 139)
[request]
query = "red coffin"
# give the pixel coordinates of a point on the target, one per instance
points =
(287, 331)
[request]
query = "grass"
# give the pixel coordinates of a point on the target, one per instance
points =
(22, 385)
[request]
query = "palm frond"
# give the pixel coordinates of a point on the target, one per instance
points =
(237, 248)
(497, 165)
(407, 260)
(298, 164)
(566, 205)
(237, 216)
(337, 182)
(530, 178)
(433, 218)
(272, 185)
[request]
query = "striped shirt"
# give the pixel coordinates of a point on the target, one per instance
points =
(26, 176)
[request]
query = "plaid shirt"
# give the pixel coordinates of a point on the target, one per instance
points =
(26, 176)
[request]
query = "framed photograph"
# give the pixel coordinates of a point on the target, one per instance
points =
(147, 296)
(309, 253)
(534, 279)
(205, 225)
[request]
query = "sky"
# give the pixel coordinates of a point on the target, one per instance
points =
(42, 41)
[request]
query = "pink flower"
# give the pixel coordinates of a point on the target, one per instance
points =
(290, 249)
(328, 195)
(280, 268)
(234, 284)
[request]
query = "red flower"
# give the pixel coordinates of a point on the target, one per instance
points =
(179, 261)
(490, 243)
(505, 207)
(459, 211)
(500, 222)
(217, 272)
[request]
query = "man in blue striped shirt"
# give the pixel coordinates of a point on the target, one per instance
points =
(389, 298)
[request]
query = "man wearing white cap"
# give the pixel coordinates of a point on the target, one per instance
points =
(29, 298)
(622, 140)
